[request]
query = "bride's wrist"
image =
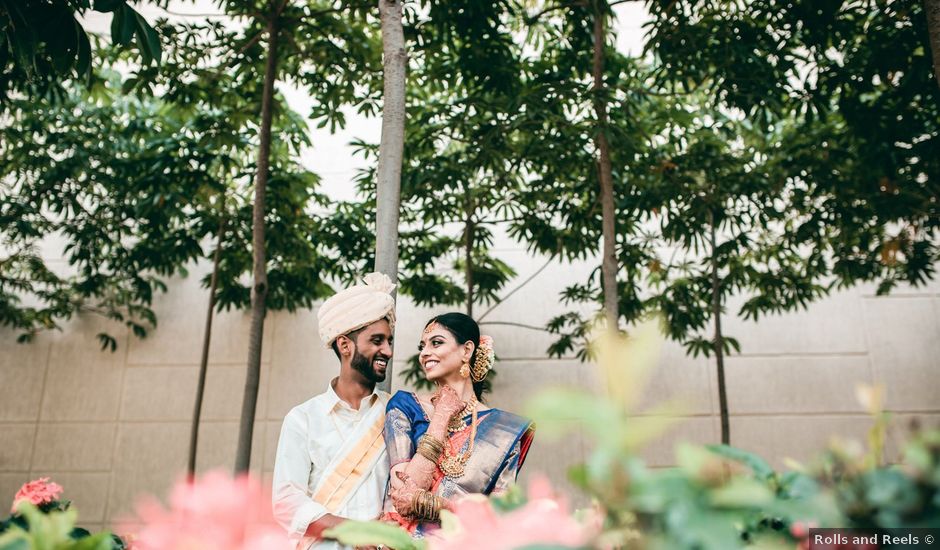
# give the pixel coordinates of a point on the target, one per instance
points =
(438, 426)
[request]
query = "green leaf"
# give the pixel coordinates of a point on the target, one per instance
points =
(83, 62)
(63, 44)
(128, 85)
(148, 40)
(122, 25)
(742, 492)
(106, 6)
(758, 465)
(558, 411)
(99, 541)
(107, 341)
(372, 533)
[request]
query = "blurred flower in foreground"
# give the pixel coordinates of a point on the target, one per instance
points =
(871, 397)
(215, 512)
(38, 491)
(543, 520)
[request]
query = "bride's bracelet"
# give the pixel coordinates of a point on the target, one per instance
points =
(427, 506)
(430, 447)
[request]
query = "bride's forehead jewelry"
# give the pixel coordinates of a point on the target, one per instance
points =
(430, 328)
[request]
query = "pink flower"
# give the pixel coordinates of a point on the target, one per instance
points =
(38, 491)
(544, 519)
(215, 512)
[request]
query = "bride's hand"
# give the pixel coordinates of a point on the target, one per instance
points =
(403, 494)
(446, 402)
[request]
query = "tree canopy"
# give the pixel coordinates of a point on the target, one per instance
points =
(775, 151)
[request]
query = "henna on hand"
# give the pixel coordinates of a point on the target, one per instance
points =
(446, 402)
(404, 496)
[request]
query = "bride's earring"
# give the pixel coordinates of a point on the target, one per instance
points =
(465, 369)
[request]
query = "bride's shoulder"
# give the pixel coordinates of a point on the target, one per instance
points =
(408, 398)
(422, 398)
(511, 419)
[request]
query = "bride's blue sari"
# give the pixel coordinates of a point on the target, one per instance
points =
(499, 450)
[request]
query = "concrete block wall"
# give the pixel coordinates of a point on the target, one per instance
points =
(110, 426)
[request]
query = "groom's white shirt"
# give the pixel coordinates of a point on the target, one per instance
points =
(311, 436)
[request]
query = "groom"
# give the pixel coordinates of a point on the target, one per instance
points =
(331, 463)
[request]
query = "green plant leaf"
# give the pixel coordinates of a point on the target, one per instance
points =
(742, 492)
(758, 465)
(371, 533)
(122, 25)
(106, 6)
(148, 39)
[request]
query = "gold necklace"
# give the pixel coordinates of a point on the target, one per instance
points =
(453, 463)
(456, 422)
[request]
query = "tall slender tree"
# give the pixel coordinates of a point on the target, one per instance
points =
(392, 145)
(587, 97)
(609, 264)
(259, 289)
(206, 341)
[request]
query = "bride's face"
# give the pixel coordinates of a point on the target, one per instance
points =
(440, 354)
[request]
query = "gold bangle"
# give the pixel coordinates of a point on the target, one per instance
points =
(427, 506)
(415, 505)
(426, 452)
(430, 448)
(437, 504)
(434, 442)
(419, 505)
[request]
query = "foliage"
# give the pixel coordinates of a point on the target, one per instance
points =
(561, 210)
(42, 42)
(189, 154)
(365, 533)
(461, 165)
(458, 168)
(717, 497)
(220, 71)
(808, 152)
(126, 206)
(720, 496)
(844, 92)
(713, 185)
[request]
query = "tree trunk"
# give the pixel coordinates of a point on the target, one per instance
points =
(932, 10)
(605, 174)
(259, 289)
(719, 339)
(391, 147)
(468, 251)
(204, 361)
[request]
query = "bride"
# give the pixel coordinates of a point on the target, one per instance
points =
(450, 444)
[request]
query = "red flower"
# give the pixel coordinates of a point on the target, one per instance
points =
(38, 491)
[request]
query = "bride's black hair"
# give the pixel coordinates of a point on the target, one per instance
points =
(464, 329)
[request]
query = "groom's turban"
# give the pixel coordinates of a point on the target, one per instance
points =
(356, 307)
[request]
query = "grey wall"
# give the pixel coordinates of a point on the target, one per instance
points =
(108, 426)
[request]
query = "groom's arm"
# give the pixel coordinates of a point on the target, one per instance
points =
(327, 521)
(293, 508)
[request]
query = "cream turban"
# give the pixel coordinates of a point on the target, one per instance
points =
(356, 307)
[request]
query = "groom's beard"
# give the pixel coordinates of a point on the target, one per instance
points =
(366, 366)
